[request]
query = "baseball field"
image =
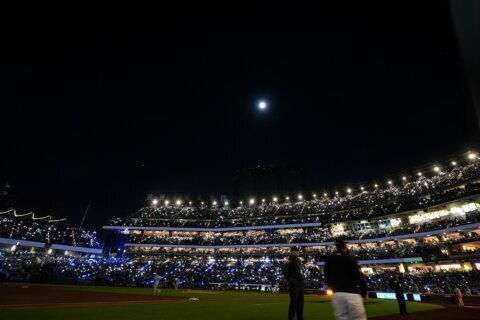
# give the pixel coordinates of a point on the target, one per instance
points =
(58, 302)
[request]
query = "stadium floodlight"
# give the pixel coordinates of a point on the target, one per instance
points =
(390, 182)
(471, 155)
(190, 202)
(404, 178)
(300, 197)
(167, 202)
(263, 200)
(287, 198)
(362, 188)
(336, 193)
(178, 202)
(375, 185)
(214, 203)
(251, 201)
(202, 203)
(314, 196)
(436, 169)
(419, 174)
(275, 199)
(349, 190)
(454, 163)
(241, 202)
(154, 202)
(226, 203)
(49, 251)
(325, 194)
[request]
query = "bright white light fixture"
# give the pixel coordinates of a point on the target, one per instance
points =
(275, 199)
(154, 202)
(251, 201)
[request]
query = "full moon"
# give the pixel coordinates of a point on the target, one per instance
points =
(262, 105)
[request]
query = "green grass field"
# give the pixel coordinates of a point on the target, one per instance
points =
(218, 305)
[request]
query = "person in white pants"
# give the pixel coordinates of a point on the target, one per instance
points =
(347, 282)
(348, 306)
(155, 285)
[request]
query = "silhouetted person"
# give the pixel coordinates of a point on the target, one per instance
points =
(394, 284)
(293, 272)
(344, 277)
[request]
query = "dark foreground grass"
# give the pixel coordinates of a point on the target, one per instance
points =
(219, 305)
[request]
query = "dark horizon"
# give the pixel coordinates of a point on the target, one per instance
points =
(110, 117)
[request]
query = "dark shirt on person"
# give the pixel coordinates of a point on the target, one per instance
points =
(294, 269)
(343, 274)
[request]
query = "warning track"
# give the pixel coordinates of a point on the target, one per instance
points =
(13, 297)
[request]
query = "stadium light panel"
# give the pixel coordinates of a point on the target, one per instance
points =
(251, 201)
(178, 202)
(436, 169)
(154, 202)
(454, 163)
(167, 202)
(390, 182)
(226, 203)
(287, 198)
(419, 174)
(300, 197)
(214, 203)
(325, 194)
(362, 188)
(314, 195)
(263, 200)
(275, 199)
(472, 156)
(349, 190)
(375, 185)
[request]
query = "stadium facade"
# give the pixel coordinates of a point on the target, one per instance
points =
(423, 223)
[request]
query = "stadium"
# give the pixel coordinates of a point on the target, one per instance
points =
(314, 162)
(424, 227)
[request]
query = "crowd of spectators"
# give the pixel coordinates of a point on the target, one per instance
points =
(207, 272)
(428, 282)
(413, 193)
(299, 235)
(25, 228)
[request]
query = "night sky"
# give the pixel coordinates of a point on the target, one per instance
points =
(109, 116)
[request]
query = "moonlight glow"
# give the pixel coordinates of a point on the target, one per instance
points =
(262, 105)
